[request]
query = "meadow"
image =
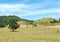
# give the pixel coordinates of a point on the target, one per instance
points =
(30, 34)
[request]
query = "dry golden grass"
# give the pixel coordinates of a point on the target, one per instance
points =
(35, 34)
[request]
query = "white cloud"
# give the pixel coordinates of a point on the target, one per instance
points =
(26, 9)
(21, 8)
(11, 7)
(51, 10)
(46, 11)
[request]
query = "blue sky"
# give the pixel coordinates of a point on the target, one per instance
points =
(31, 9)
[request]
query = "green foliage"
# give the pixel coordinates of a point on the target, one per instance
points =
(13, 26)
(2, 25)
(35, 25)
(54, 21)
(59, 20)
(5, 20)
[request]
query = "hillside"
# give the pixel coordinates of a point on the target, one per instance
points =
(5, 20)
(30, 33)
(46, 21)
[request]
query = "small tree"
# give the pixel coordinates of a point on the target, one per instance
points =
(13, 26)
(34, 25)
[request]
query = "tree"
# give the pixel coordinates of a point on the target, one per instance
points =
(13, 26)
(6, 20)
(54, 21)
(59, 20)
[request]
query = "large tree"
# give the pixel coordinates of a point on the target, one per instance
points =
(13, 26)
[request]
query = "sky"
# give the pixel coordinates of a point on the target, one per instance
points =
(31, 9)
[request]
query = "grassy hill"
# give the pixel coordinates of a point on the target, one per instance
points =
(30, 34)
(6, 20)
(46, 21)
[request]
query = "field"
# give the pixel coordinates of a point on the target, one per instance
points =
(31, 34)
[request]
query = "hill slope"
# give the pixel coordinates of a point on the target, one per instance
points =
(46, 21)
(5, 20)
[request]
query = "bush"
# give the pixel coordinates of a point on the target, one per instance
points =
(2, 25)
(13, 26)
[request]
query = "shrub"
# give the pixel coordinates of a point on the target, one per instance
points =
(13, 26)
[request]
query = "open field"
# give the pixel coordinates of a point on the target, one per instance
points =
(36, 34)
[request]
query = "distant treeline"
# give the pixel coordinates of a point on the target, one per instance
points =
(6, 20)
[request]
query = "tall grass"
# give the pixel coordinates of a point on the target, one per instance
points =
(36, 34)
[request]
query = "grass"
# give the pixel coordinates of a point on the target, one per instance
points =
(36, 34)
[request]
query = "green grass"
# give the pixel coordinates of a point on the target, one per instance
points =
(38, 34)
